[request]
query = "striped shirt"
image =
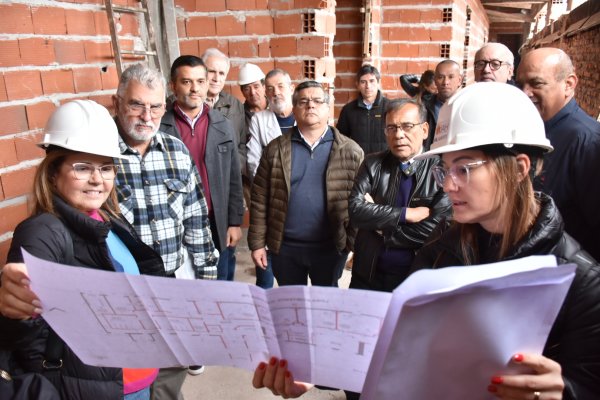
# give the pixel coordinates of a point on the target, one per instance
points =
(161, 196)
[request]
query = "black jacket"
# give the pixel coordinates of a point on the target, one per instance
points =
(574, 340)
(365, 127)
(432, 117)
(47, 236)
(379, 175)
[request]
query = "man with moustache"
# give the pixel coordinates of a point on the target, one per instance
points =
(159, 191)
(268, 124)
(210, 138)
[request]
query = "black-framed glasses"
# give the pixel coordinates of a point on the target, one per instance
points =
(494, 64)
(460, 173)
(136, 108)
(403, 126)
(83, 171)
(306, 102)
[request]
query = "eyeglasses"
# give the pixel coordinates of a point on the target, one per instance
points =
(83, 171)
(305, 102)
(460, 174)
(404, 127)
(135, 109)
(494, 64)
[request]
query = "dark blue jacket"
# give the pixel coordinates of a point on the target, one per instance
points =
(571, 173)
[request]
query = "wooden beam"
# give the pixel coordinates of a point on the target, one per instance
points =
(506, 4)
(508, 17)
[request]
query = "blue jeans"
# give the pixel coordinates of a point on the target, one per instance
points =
(226, 265)
(264, 277)
(143, 394)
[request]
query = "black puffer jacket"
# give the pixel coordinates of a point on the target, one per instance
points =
(365, 127)
(379, 175)
(47, 236)
(574, 340)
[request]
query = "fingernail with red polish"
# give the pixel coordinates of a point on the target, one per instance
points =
(282, 363)
(273, 361)
(262, 366)
(518, 357)
(492, 389)
(497, 380)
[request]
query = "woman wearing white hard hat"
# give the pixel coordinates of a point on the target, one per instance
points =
(75, 222)
(490, 138)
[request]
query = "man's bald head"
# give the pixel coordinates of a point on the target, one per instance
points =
(547, 76)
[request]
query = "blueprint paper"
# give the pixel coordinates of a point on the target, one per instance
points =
(118, 320)
(466, 335)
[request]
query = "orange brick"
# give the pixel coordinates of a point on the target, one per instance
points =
(27, 148)
(189, 47)
(432, 15)
(348, 50)
(14, 119)
(221, 44)
(259, 25)
(243, 48)
(229, 25)
(57, 81)
(38, 114)
(101, 23)
(36, 51)
(390, 81)
(441, 34)
(187, 5)
(23, 85)
(281, 4)
(8, 153)
(416, 67)
(104, 100)
(129, 24)
(264, 49)
(212, 5)
(98, 52)
(109, 77)
(69, 52)
(240, 5)
(318, 4)
(87, 80)
(80, 22)
(349, 17)
(3, 95)
(18, 183)
(313, 46)
(409, 33)
(201, 26)
(262, 4)
(49, 20)
(9, 53)
(283, 47)
(11, 216)
(15, 18)
(395, 67)
(294, 68)
(429, 50)
(284, 24)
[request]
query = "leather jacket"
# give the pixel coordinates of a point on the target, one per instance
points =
(573, 341)
(379, 175)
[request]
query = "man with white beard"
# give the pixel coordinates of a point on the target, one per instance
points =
(265, 126)
(159, 192)
(268, 124)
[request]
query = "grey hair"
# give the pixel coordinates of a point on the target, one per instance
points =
(279, 71)
(306, 85)
(213, 52)
(506, 53)
(143, 74)
(397, 104)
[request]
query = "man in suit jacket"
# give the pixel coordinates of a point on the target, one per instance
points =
(212, 143)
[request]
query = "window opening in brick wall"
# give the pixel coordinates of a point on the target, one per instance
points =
(308, 22)
(445, 50)
(309, 69)
(447, 15)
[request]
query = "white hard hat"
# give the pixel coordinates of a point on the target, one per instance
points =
(85, 126)
(250, 73)
(488, 113)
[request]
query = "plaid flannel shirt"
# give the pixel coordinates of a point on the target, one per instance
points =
(161, 196)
